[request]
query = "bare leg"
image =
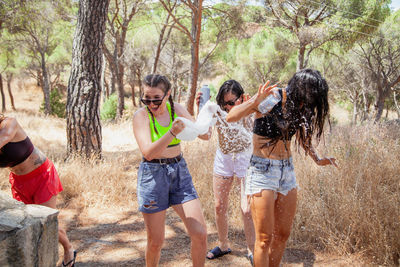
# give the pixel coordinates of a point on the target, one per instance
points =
(155, 228)
(62, 235)
(262, 211)
(192, 216)
(247, 220)
(285, 209)
(221, 187)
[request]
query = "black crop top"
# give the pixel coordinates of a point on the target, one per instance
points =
(273, 125)
(14, 153)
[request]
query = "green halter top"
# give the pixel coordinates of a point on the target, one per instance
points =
(161, 129)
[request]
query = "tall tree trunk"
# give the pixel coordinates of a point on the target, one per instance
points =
(132, 85)
(300, 57)
(380, 105)
(46, 84)
(103, 79)
(84, 90)
(9, 79)
(396, 104)
(194, 73)
(160, 44)
(355, 112)
(121, 92)
(3, 98)
(139, 78)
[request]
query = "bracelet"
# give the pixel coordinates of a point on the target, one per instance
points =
(171, 133)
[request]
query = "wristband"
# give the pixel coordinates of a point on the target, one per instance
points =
(171, 133)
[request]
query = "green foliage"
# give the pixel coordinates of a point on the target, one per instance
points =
(57, 104)
(108, 110)
(213, 91)
(264, 56)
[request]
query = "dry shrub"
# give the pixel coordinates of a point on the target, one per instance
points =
(356, 208)
(110, 183)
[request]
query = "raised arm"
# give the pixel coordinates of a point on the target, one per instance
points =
(8, 130)
(251, 105)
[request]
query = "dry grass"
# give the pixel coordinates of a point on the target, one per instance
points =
(354, 209)
(351, 210)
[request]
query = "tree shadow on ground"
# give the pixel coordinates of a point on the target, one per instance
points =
(107, 238)
(96, 241)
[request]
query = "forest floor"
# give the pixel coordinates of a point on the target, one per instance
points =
(116, 236)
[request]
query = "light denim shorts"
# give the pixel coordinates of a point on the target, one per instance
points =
(163, 185)
(228, 165)
(270, 174)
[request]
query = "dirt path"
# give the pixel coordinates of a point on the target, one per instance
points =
(118, 238)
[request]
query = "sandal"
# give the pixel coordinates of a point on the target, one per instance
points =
(217, 252)
(71, 261)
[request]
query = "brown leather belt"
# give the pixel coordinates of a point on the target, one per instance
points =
(165, 161)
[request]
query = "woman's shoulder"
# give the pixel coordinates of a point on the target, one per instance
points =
(140, 114)
(8, 122)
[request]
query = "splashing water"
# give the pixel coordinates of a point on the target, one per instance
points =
(235, 136)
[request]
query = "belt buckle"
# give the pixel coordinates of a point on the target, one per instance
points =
(160, 161)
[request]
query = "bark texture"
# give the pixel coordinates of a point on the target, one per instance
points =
(84, 86)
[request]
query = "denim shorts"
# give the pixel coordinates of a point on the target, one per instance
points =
(163, 185)
(270, 174)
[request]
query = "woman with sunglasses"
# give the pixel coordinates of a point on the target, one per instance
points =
(270, 180)
(231, 160)
(163, 177)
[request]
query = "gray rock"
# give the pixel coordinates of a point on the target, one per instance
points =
(28, 234)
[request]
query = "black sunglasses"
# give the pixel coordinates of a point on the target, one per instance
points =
(156, 102)
(231, 103)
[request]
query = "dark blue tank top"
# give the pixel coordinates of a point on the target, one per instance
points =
(14, 153)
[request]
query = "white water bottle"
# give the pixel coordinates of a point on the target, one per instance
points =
(205, 95)
(268, 103)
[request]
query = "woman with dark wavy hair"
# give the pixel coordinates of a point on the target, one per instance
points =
(163, 177)
(270, 180)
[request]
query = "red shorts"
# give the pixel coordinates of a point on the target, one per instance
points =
(38, 186)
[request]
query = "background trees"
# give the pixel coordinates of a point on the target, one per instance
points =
(354, 43)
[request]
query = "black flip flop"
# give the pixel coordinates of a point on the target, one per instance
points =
(217, 252)
(71, 261)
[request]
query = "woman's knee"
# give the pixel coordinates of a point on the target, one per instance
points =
(263, 241)
(281, 236)
(155, 243)
(221, 208)
(199, 234)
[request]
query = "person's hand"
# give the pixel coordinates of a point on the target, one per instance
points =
(327, 161)
(263, 91)
(177, 127)
(198, 96)
(246, 97)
